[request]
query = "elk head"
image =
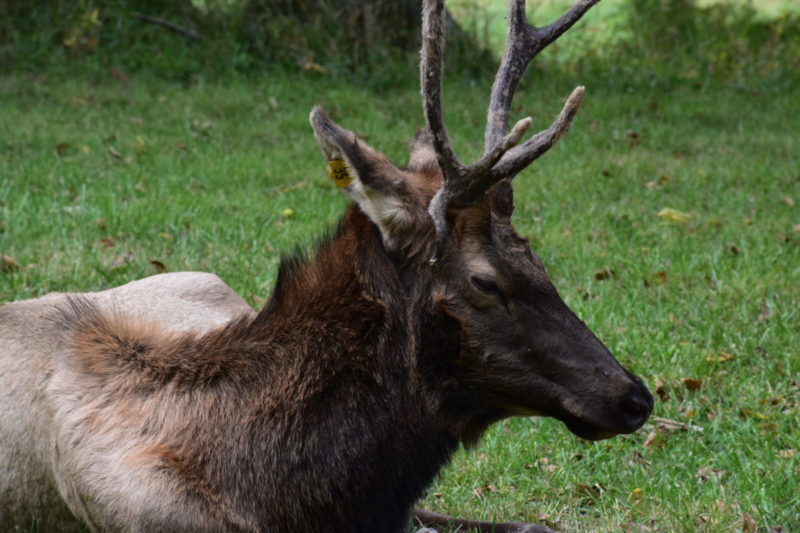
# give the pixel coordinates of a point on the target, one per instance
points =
(521, 349)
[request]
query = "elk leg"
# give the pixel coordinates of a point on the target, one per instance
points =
(448, 523)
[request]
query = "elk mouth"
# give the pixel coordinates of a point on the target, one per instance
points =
(587, 431)
(628, 414)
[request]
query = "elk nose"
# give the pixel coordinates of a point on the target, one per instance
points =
(637, 406)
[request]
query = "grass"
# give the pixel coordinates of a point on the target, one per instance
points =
(105, 181)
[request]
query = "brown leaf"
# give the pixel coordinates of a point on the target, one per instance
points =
(705, 473)
(106, 243)
(662, 390)
(692, 384)
(748, 524)
(765, 313)
(61, 149)
(603, 274)
(113, 152)
(161, 267)
(788, 201)
(8, 264)
(634, 138)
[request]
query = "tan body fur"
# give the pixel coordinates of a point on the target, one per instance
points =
(41, 460)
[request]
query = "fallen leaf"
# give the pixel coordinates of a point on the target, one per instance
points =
(786, 454)
(106, 243)
(674, 216)
(310, 66)
(161, 267)
(8, 264)
(748, 524)
(61, 149)
(705, 473)
(788, 201)
(745, 413)
(634, 138)
(603, 274)
(636, 494)
(139, 145)
(692, 384)
(122, 260)
(201, 127)
(287, 213)
(113, 152)
(722, 357)
(662, 390)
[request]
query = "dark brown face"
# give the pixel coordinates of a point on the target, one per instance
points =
(533, 355)
(527, 352)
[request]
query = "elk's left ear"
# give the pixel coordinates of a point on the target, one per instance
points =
(366, 175)
(501, 198)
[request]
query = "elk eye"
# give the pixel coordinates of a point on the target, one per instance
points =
(486, 285)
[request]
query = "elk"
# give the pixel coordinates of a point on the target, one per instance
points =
(168, 405)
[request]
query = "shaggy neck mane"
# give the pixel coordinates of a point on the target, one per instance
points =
(345, 307)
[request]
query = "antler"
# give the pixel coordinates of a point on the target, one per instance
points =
(502, 158)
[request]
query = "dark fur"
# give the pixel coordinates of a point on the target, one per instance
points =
(328, 425)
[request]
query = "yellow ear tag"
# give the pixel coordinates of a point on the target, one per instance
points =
(337, 170)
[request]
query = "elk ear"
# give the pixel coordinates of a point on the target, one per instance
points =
(423, 156)
(374, 183)
(501, 198)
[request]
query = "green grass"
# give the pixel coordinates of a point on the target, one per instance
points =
(100, 181)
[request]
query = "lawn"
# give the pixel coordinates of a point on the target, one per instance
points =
(106, 179)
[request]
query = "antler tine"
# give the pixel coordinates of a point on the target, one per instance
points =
(462, 185)
(516, 159)
(431, 66)
(523, 43)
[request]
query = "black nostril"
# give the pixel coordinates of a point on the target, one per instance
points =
(636, 407)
